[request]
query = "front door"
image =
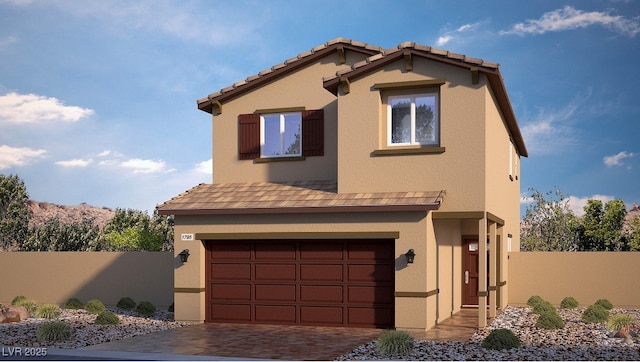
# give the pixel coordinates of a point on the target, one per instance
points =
(470, 274)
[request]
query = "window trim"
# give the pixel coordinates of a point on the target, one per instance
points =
(413, 96)
(282, 120)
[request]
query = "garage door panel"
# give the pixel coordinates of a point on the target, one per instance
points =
(362, 316)
(321, 315)
(370, 294)
(284, 272)
(224, 292)
(321, 293)
(275, 293)
(230, 250)
(322, 272)
(269, 250)
(237, 271)
(370, 273)
(370, 251)
(275, 314)
(327, 250)
(238, 313)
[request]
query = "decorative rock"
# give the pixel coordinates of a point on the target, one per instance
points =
(10, 316)
(622, 334)
(24, 313)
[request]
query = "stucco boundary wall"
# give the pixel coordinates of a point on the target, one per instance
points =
(54, 277)
(586, 276)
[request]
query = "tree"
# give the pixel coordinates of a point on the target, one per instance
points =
(548, 224)
(56, 236)
(601, 226)
(14, 212)
(632, 234)
(131, 230)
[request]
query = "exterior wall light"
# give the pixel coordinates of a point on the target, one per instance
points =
(184, 255)
(410, 255)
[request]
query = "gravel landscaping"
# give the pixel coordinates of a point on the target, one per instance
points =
(578, 340)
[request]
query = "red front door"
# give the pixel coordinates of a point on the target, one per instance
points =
(470, 274)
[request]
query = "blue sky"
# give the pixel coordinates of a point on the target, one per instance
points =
(98, 98)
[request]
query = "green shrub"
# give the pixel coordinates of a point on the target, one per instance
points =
(394, 343)
(618, 322)
(569, 303)
(549, 320)
(533, 300)
(73, 303)
(146, 309)
(18, 299)
(500, 339)
(30, 305)
(94, 306)
(543, 307)
(54, 331)
(107, 318)
(48, 311)
(595, 314)
(604, 304)
(126, 303)
(171, 308)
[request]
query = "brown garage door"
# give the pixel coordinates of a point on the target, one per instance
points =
(306, 282)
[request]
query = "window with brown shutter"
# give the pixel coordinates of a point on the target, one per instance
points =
(312, 134)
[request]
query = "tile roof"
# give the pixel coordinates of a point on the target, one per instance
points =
(292, 197)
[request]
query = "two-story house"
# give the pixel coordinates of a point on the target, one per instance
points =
(354, 186)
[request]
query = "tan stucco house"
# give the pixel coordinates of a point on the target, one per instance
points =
(331, 169)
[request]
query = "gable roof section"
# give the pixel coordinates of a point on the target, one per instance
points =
(409, 49)
(215, 100)
(292, 197)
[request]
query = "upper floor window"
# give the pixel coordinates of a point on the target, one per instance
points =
(281, 135)
(413, 120)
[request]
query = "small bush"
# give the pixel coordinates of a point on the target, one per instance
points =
(107, 318)
(171, 308)
(73, 303)
(543, 307)
(48, 311)
(604, 304)
(54, 331)
(569, 303)
(126, 303)
(595, 314)
(146, 309)
(533, 300)
(18, 299)
(29, 304)
(500, 339)
(394, 343)
(94, 306)
(618, 322)
(549, 320)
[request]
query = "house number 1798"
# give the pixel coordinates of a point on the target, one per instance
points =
(186, 237)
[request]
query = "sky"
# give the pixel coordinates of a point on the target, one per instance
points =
(98, 98)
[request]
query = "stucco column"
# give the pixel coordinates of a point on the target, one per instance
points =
(482, 272)
(493, 270)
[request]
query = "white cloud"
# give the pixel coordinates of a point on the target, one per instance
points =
(145, 166)
(205, 167)
(569, 18)
(18, 156)
(104, 153)
(577, 204)
(8, 41)
(617, 159)
(32, 108)
(75, 163)
(451, 35)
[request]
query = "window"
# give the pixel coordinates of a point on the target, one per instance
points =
(413, 120)
(281, 135)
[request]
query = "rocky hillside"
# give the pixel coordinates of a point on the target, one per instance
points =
(40, 212)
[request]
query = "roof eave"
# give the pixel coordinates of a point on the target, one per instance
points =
(301, 210)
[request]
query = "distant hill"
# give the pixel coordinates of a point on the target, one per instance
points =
(40, 212)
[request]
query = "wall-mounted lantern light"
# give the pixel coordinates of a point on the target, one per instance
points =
(410, 255)
(184, 255)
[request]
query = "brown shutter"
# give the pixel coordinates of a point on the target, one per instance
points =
(313, 132)
(248, 136)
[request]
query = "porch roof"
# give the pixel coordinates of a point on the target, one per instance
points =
(292, 197)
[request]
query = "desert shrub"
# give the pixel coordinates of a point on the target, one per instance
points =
(171, 308)
(618, 322)
(107, 318)
(604, 303)
(394, 343)
(500, 339)
(73, 303)
(94, 306)
(146, 309)
(29, 304)
(595, 314)
(544, 307)
(126, 303)
(533, 300)
(549, 320)
(569, 303)
(18, 299)
(54, 331)
(48, 311)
